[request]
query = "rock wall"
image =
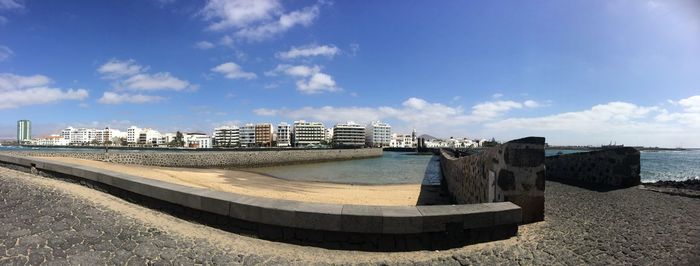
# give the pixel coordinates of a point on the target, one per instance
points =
(513, 171)
(215, 159)
(618, 167)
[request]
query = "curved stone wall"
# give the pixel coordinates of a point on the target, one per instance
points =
(214, 158)
(513, 171)
(616, 167)
(345, 226)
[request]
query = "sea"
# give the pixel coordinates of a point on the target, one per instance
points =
(409, 168)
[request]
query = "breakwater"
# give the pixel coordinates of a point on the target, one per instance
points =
(206, 159)
(513, 171)
(618, 167)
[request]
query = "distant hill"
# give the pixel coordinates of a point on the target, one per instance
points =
(427, 137)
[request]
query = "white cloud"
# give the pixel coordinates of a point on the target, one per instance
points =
(494, 109)
(231, 70)
(312, 81)
(413, 110)
(128, 75)
(5, 52)
(317, 83)
(497, 95)
(691, 104)
(19, 91)
(9, 81)
(119, 98)
(131, 76)
(597, 118)
(115, 68)
(157, 81)
(255, 20)
(11, 4)
(239, 13)
(204, 45)
(308, 51)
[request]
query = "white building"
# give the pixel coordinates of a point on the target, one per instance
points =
(226, 136)
(168, 137)
(328, 135)
(109, 135)
(306, 133)
(53, 140)
(349, 134)
(82, 136)
(150, 137)
(378, 134)
(67, 133)
(284, 135)
(132, 134)
(247, 135)
(197, 140)
(401, 141)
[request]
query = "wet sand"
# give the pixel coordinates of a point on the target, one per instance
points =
(260, 185)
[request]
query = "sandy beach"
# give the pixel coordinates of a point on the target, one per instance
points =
(261, 185)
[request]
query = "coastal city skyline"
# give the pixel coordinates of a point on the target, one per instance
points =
(623, 71)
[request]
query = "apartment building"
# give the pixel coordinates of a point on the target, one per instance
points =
(132, 134)
(306, 133)
(263, 135)
(284, 135)
(226, 136)
(247, 135)
(378, 134)
(24, 131)
(349, 134)
(150, 137)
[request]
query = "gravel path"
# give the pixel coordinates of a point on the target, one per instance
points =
(46, 221)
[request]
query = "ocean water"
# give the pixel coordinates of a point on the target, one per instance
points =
(392, 168)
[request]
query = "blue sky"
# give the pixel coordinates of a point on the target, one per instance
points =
(576, 72)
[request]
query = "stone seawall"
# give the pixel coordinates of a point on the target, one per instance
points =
(206, 159)
(513, 171)
(618, 167)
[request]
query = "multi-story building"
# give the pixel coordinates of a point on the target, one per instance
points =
(226, 136)
(401, 141)
(150, 137)
(247, 135)
(328, 136)
(263, 135)
(284, 135)
(306, 133)
(378, 134)
(349, 134)
(132, 134)
(67, 133)
(82, 136)
(53, 140)
(168, 138)
(197, 140)
(108, 135)
(24, 131)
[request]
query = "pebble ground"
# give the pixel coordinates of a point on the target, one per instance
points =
(51, 222)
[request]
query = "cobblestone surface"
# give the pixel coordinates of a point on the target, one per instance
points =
(52, 222)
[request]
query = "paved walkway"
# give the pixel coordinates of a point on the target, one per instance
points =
(46, 221)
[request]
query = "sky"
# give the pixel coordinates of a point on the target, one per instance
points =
(575, 72)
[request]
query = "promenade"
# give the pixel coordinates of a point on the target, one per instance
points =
(45, 220)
